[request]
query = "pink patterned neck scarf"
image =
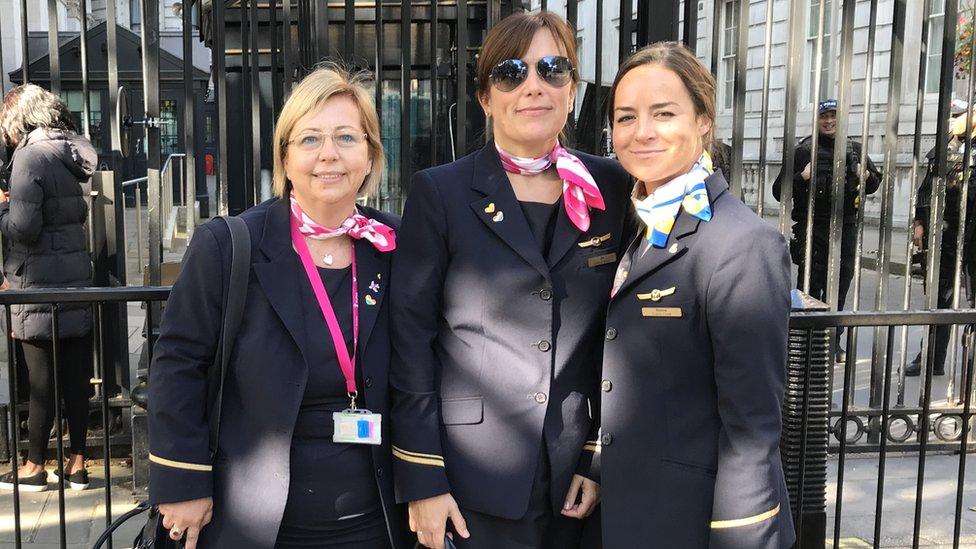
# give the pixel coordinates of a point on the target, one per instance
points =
(357, 226)
(580, 191)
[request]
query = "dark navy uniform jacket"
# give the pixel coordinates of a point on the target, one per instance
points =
(694, 370)
(281, 336)
(496, 348)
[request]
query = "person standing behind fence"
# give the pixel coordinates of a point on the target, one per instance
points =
(950, 228)
(823, 207)
(42, 217)
(502, 278)
(315, 334)
(694, 362)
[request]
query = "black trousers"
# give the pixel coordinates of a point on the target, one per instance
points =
(363, 532)
(539, 528)
(74, 375)
(947, 271)
(820, 259)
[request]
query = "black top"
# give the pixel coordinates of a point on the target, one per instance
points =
(328, 481)
(542, 221)
(325, 382)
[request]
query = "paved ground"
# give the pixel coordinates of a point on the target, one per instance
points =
(85, 511)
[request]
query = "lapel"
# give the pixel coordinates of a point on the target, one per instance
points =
(681, 238)
(281, 275)
(566, 234)
(500, 210)
(373, 280)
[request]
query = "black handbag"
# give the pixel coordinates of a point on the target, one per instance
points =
(153, 534)
(448, 544)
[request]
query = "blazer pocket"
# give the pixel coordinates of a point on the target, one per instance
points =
(690, 467)
(462, 411)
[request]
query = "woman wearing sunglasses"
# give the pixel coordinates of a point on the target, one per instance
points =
(503, 271)
(694, 377)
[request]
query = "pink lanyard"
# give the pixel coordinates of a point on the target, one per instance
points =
(347, 360)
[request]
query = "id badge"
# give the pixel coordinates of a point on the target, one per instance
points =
(357, 427)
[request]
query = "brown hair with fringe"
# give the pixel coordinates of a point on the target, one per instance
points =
(511, 38)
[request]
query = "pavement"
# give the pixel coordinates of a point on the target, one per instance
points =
(85, 512)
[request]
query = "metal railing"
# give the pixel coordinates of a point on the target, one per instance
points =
(98, 299)
(812, 431)
(841, 419)
(187, 202)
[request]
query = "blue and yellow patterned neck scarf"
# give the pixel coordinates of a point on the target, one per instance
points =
(659, 210)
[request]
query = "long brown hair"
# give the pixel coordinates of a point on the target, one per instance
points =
(677, 57)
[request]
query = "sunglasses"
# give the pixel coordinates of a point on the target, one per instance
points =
(555, 70)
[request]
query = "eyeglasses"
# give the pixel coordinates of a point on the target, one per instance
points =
(344, 138)
(555, 70)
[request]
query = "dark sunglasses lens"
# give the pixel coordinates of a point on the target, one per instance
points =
(555, 70)
(509, 74)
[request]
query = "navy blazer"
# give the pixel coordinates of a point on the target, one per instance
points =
(496, 348)
(694, 372)
(281, 336)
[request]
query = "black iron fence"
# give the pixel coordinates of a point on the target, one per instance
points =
(109, 396)
(829, 418)
(892, 66)
(423, 56)
(832, 412)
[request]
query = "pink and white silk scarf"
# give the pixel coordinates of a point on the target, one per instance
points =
(357, 226)
(580, 191)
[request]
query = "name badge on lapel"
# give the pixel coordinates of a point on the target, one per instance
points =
(661, 312)
(356, 426)
(603, 259)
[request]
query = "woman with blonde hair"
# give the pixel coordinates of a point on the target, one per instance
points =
(311, 354)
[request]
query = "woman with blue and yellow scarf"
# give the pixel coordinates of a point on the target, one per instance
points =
(695, 351)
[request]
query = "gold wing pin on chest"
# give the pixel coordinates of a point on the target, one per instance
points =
(656, 294)
(594, 242)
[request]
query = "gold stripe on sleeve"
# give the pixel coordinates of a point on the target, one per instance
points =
(735, 523)
(181, 464)
(418, 458)
(592, 446)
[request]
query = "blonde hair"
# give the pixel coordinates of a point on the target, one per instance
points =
(324, 83)
(28, 107)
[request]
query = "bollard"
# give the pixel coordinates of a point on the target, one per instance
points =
(803, 445)
(4, 433)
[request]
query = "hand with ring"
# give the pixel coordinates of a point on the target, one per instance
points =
(185, 519)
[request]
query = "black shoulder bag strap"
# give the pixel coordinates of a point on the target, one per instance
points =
(153, 534)
(233, 314)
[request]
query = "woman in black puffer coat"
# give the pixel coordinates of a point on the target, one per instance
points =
(42, 219)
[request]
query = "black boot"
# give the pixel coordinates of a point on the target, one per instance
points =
(915, 367)
(841, 356)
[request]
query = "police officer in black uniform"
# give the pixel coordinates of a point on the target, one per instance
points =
(823, 206)
(950, 229)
